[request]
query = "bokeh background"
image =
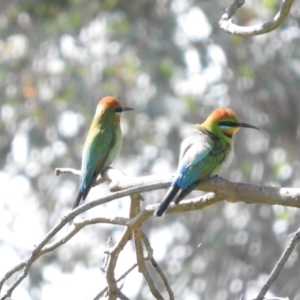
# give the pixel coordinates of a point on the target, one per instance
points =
(171, 62)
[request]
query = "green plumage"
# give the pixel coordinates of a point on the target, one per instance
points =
(203, 155)
(102, 145)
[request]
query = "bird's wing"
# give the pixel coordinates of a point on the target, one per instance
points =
(95, 155)
(200, 158)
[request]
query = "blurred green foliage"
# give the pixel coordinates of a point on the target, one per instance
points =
(59, 57)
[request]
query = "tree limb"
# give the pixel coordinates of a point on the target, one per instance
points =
(142, 267)
(102, 293)
(227, 25)
(114, 252)
(229, 191)
(279, 265)
(220, 189)
(156, 266)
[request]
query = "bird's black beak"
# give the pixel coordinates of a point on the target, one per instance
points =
(245, 125)
(127, 108)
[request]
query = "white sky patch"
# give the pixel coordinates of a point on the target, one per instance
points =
(7, 115)
(290, 33)
(7, 257)
(195, 85)
(33, 168)
(81, 284)
(21, 293)
(212, 73)
(4, 182)
(70, 49)
(85, 283)
(160, 239)
(97, 29)
(47, 156)
(192, 60)
(217, 55)
(20, 148)
(66, 189)
(18, 206)
(17, 45)
(68, 45)
(179, 6)
(132, 284)
(69, 123)
(55, 66)
(280, 226)
(59, 148)
(23, 187)
(45, 90)
(194, 24)
(285, 172)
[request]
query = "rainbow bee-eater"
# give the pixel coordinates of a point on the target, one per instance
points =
(203, 155)
(102, 145)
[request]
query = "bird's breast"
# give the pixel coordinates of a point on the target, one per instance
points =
(228, 159)
(116, 148)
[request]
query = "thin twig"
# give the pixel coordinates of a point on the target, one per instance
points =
(42, 249)
(156, 266)
(279, 265)
(105, 259)
(223, 189)
(122, 296)
(232, 9)
(112, 261)
(227, 25)
(142, 265)
(101, 293)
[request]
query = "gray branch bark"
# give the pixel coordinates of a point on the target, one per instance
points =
(227, 24)
(219, 189)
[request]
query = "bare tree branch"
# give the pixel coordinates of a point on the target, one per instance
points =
(229, 191)
(122, 296)
(102, 293)
(229, 27)
(156, 267)
(112, 261)
(220, 189)
(279, 265)
(142, 267)
(232, 9)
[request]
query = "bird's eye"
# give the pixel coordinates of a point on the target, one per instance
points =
(228, 124)
(118, 109)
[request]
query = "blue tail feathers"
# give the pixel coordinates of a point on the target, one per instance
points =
(171, 194)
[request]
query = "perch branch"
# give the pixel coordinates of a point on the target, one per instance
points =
(221, 188)
(229, 191)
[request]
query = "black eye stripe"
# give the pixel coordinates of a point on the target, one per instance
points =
(228, 123)
(118, 109)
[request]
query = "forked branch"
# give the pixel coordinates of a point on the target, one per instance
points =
(220, 189)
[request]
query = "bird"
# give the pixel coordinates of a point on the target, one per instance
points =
(102, 145)
(206, 153)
